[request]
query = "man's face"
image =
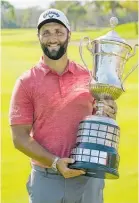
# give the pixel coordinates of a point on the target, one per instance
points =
(54, 39)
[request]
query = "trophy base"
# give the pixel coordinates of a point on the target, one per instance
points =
(96, 149)
(96, 170)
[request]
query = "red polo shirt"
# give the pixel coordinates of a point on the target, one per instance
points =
(53, 104)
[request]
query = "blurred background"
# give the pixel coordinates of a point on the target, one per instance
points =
(83, 15)
(21, 50)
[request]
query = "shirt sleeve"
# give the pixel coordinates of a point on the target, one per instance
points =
(21, 106)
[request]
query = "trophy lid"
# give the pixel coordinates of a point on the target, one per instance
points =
(112, 35)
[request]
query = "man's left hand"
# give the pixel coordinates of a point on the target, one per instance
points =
(109, 108)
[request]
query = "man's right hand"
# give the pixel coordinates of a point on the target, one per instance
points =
(62, 166)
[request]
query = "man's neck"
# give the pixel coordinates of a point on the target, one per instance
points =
(56, 65)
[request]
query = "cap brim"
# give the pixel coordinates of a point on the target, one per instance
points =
(50, 21)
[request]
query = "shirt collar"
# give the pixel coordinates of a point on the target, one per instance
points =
(70, 66)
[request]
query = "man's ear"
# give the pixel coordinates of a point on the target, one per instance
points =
(69, 36)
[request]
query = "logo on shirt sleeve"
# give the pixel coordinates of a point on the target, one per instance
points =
(15, 111)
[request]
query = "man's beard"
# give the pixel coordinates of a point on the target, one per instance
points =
(55, 54)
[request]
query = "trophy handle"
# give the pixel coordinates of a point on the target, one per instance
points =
(134, 67)
(89, 49)
(134, 52)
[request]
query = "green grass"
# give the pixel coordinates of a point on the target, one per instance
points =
(126, 31)
(20, 51)
(15, 36)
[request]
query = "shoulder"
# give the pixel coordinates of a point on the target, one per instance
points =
(29, 79)
(32, 75)
(79, 69)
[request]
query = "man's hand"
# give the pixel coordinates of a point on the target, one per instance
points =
(108, 108)
(62, 166)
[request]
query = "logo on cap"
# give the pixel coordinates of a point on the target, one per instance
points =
(51, 14)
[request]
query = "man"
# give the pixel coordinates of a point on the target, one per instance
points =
(47, 104)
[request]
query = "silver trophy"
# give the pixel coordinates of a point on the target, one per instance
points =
(96, 149)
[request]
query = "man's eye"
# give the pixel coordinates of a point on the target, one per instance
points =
(59, 32)
(46, 33)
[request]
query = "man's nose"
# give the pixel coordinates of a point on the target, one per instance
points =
(53, 38)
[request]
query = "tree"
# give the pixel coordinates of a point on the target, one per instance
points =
(100, 11)
(61, 5)
(25, 18)
(108, 6)
(131, 6)
(74, 10)
(8, 13)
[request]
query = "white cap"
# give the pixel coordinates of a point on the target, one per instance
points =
(53, 15)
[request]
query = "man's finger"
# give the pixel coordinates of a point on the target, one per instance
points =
(69, 160)
(73, 173)
(108, 110)
(76, 171)
(111, 115)
(111, 103)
